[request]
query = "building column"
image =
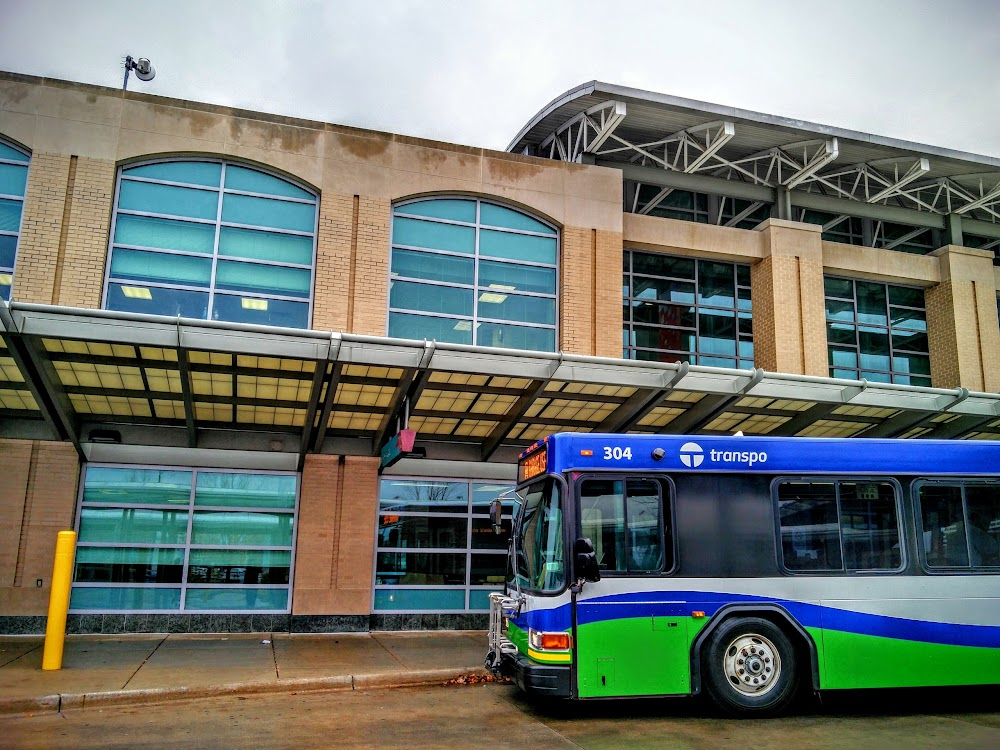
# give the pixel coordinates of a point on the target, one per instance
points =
(338, 498)
(962, 330)
(789, 330)
(590, 294)
(37, 500)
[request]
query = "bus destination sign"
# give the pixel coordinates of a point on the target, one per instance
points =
(533, 464)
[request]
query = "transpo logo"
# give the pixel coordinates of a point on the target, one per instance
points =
(692, 455)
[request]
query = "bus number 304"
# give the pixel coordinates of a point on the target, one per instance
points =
(617, 453)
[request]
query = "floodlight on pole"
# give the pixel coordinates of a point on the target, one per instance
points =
(143, 68)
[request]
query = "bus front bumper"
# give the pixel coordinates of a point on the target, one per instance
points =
(537, 679)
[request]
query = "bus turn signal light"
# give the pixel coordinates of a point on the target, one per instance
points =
(555, 641)
(698, 613)
(586, 452)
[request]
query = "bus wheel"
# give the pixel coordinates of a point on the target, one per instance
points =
(749, 667)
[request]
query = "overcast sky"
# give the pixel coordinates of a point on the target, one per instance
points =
(475, 72)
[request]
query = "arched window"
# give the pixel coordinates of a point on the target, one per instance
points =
(212, 239)
(13, 180)
(469, 271)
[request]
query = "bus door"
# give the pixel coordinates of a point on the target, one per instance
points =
(631, 637)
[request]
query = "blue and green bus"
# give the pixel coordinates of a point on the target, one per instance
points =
(749, 568)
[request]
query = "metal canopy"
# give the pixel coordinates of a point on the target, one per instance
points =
(97, 376)
(677, 143)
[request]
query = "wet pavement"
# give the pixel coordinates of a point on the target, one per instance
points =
(136, 668)
(498, 716)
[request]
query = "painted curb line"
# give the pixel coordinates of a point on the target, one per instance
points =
(106, 699)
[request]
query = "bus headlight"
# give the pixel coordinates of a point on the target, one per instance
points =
(548, 641)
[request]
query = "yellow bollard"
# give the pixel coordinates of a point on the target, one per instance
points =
(62, 577)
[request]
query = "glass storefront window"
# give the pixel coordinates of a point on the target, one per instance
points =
(436, 549)
(877, 332)
(184, 540)
(686, 310)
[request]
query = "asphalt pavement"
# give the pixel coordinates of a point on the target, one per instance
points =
(103, 670)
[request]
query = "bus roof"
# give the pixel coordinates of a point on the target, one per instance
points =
(767, 455)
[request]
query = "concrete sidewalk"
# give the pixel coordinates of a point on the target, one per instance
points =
(127, 669)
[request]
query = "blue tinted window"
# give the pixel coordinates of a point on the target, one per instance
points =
(8, 249)
(263, 212)
(252, 181)
(206, 173)
(267, 312)
(7, 152)
(257, 245)
(453, 209)
(168, 234)
(13, 179)
(498, 216)
(517, 246)
(432, 235)
(157, 301)
(152, 198)
(482, 288)
(124, 547)
(418, 265)
(431, 298)
(10, 215)
(139, 265)
(250, 277)
(285, 240)
(451, 330)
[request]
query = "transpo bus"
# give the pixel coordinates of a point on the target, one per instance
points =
(750, 568)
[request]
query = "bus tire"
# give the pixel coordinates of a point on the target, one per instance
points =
(749, 667)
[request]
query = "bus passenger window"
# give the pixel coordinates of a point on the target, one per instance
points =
(643, 511)
(983, 503)
(869, 525)
(623, 520)
(810, 531)
(602, 519)
(944, 539)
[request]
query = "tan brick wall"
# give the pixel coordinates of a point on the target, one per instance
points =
(962, 331)
(608, 301)
(37, 501)
(788, 304)
(371, 269)
(86, 238)
(336, 537)
(41, 227)
(335, 247)
(576, 296)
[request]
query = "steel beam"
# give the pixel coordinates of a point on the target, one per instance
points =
(309, 424)
(331, 395)
(54, 401)
(517, 411)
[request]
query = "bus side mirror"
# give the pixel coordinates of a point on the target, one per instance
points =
(496, 511)
(585, 560)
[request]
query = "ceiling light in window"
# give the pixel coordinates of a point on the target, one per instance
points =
(6, 278)
(254, 304)
(137, 292)
(503, 287)
(463, 325)
(492, 297)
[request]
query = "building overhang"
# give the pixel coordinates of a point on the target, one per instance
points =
(197, 387)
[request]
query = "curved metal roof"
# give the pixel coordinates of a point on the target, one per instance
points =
(622, 126)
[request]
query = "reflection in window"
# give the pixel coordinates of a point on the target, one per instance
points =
(836, 525)
(436, 548)
(960, 524)
(686, 310)
(13, 183)
(164, 540)
(212, 239)
(877, 332)
(541, 564)
(471, 272)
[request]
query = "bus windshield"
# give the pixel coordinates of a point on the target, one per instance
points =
(539, 565)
